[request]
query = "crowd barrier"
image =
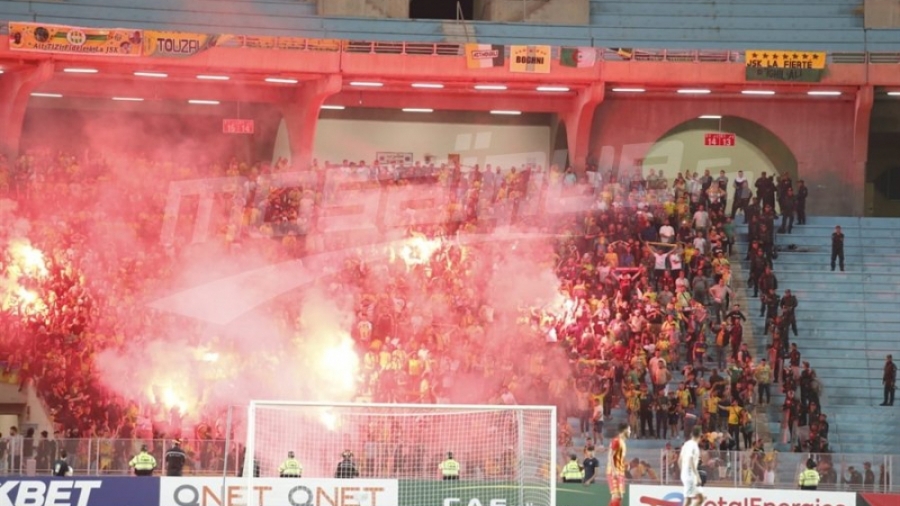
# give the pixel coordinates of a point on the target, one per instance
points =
(232, 491)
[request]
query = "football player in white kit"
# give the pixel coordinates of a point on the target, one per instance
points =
(689, 460)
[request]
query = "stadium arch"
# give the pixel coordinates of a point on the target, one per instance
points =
(756, 149)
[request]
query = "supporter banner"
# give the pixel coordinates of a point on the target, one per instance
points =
(786, 59)
(784, 74)
(580, 57)
(232, 491)
(530, 59)
(231, 40)
(109, 491)
(176, 44)
(657, 495)
(38, 37)
(393, 158)
(480, 56)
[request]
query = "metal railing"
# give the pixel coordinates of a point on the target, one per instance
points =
(109, 457)
(105, 456)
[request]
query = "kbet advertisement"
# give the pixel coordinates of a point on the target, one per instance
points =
(117, 491)
(656, 495)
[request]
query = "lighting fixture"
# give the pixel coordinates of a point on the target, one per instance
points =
(128, 99)
(416, 109)
(757, 92)
(430, 86)
(823, 93)
(159, 75)
(203, 102)
(281, 80)
(629, 90)
(490, 87)
(694, 91)
(333, 107)
(507, 113)
(894, 93)
(80, 71)
(557, 89)
(369, 84)
(710, 116)
(46, 95)
(207, 77)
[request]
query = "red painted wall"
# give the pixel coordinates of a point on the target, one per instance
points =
(819, 132)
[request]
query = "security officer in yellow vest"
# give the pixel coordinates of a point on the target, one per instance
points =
(809, 478)
(449, 468)
(572, 471)
(143, 463)
(290, 468)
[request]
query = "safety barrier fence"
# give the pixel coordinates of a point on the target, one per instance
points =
(98, 457)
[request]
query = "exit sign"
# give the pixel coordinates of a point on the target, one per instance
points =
(237, 126)
(718, 139)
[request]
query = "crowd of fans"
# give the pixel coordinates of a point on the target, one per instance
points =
(644, 298)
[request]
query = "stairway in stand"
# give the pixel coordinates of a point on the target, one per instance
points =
(847, 322)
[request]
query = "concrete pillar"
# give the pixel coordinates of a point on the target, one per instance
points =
(16, 86)
(862, 116)
(579, 120)
(301, 114)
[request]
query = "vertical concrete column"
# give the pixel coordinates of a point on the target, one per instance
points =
(579, 120)
(16, 86)
(862, 116)
(301, 115)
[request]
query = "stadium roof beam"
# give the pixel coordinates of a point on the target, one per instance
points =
(460, 101)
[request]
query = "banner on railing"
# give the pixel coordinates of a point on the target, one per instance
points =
(267, 491)
(785, 59)
(791, 66)
(175, 44)
(480, 56)
(110, 491)
(530, 59)
(659, 495)
(43, 38)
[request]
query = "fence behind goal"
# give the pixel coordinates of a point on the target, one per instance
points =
(506, 453)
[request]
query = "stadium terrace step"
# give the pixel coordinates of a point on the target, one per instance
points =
(847, 322)
(719, 9)
(600, 19)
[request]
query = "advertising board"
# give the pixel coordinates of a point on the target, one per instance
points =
(657, 495)
(277, 492)
(107, 491)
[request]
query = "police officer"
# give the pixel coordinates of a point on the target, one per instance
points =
(175, 459)
(571, 472)
(346, 468)
(61, 467)
(290, 468)
(809, 478)
(837, 247)
(449, 468)
(143, 463)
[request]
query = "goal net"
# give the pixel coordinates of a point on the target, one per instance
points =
(504, 454)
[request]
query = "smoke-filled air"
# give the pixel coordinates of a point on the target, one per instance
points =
(145, 294)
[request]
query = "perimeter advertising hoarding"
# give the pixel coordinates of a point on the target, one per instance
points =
(276, 492)
(107, 491)
(46, 38)
(879, 499)
(657, 495)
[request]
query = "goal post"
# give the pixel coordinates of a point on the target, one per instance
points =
(505, 454)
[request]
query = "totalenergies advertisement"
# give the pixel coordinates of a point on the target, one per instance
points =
(657, 495)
